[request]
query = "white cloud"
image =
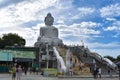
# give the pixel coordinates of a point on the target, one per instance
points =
(111, 28)
(115, 26)
(23, 12)
(90, 24)
(38, 26)
(117, 23)
(110, 19)
(111, 49)
(60, 22)
(1, 1)
(74, 33)
(82, 12)
(110, 11)
(82, 30)
(14, 15)
(104, 46)
(29, 10)
(63, 5)
(86, 10)
(108, 52)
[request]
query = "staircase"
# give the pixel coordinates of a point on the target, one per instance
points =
(85, 56)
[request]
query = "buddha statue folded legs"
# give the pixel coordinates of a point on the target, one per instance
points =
(48, 33)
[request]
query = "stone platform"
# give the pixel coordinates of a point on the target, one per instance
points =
(39, 77)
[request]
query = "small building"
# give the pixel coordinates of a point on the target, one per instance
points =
(23, 57)
(6, 59)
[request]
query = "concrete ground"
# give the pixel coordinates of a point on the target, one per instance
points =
(39, 77)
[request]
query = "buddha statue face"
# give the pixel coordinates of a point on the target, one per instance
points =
(49, 20)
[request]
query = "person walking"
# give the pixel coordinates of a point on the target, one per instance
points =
(25, 70)
(94, 62)
(13, 70)
(99, 72)
(110, 72)
(95, 73)
(19, 72)
(70, 71)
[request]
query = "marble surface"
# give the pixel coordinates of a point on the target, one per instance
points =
(48, 33)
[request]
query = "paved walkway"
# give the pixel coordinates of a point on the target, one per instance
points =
(39, 77)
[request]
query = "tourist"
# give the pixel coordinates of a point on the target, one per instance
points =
(30, 70)
(110, 72)
(90, 69)
(95, 73)
(10, 71)
(99, 72)
(37, 70)
(13, 70)
(70, 71)
(25, 70)
(80, 66)
(19, 72)
(94, 62)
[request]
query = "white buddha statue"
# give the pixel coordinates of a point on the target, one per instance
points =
(48, 33)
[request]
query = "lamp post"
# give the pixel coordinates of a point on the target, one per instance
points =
(119, 70)
(39, 57)
(47, 54)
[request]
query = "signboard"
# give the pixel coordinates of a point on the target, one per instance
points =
(24, 54)
(50, 71)
(6, 56)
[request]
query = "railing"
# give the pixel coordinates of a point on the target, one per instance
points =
(79, 51)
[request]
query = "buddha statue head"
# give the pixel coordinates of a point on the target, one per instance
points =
(49, 20)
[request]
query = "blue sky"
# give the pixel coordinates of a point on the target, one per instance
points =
(96, 22)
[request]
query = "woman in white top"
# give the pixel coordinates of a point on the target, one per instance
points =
(99, 72)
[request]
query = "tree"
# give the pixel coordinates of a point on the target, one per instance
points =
(11, 40)
(118, 58)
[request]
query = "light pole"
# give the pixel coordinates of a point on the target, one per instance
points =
(119, 70)
(47, 54)
(39, 57)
